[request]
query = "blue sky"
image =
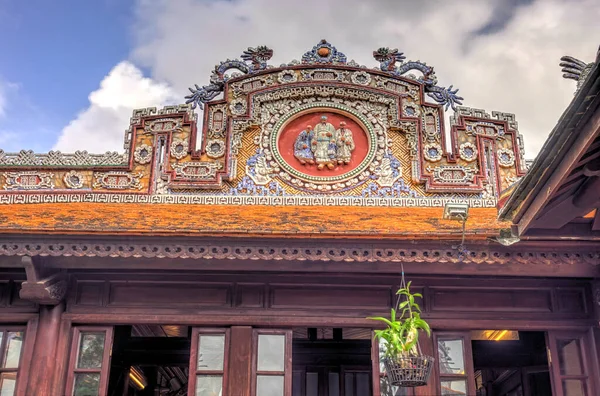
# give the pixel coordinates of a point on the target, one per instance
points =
(54, 54)
(72, 71)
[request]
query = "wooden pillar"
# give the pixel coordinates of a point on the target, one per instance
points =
(44, 351)
(427, 348)
(240, 360)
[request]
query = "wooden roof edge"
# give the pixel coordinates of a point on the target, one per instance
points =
(560, 141)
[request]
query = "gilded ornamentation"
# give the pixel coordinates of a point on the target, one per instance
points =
(118, 180)
(215, 148)
(28, 180)
(73, 179)
(179, 148)
(143, 154)
(432, 152)
(197, 170)
(468, 152)
(506, 158)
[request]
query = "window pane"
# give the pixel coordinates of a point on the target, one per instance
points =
(451, 357)
(334, 384)
(312, 384)
(569, 357)
(91, 350)
(209, 385)
(211, 352)
(13, 349)
(271, 352)
(454, 388)
(7, 384)
(574, 388)
(349, 384)
(86, 384)
(269, 385)
(363, 384)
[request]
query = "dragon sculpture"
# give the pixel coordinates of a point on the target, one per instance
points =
(388, 58)
(575, 69)
(253, 60)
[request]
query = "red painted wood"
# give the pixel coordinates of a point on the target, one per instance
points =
(26, 357)
(44, 350)
(240, 358)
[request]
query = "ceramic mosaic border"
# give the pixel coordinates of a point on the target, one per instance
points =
(74, 197)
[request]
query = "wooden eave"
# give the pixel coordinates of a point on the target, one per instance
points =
(562, 185)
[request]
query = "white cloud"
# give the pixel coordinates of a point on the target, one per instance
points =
(515, 69)
(3, 100)
(101, 127)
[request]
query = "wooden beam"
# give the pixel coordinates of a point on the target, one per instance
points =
(560, 173)
(43, 286)
(596, 223)
(570, 206)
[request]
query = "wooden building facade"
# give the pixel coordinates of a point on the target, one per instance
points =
(241, 255)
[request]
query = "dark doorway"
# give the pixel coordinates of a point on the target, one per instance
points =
(332, 362)
(511, 363)
(150, 360)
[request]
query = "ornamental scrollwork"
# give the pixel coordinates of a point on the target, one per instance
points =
(468, 152)
(73, 179)
(179, 148)
(28, 180)
(506, 158)
(253, 60)
(117, 180)
(388, 58)
(143, 154)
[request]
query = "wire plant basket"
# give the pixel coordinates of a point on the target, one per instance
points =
(408, 371)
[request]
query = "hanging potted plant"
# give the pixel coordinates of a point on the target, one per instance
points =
(405, 365)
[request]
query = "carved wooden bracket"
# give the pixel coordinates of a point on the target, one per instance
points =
(42, 286)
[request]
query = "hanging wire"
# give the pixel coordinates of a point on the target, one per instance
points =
(403, 286)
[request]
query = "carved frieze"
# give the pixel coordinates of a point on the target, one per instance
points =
(197, 170)
(74, 179)
(117, 180)
(28, 180)
(143, 154)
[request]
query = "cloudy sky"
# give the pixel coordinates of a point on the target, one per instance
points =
(71, 71)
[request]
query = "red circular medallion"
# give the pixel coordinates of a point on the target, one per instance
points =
(325, 149)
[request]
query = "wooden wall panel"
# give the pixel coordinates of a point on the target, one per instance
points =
(314, 295)
(89, 293)
(330, 297)
(10, 301)
(571, 300)
(250, 295)
(166, 294)
(499, 300)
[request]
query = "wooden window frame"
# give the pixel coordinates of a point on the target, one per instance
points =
(287, 360)
(586, 344)
(104, 370)
(4, 344)
(197, 332)
(469, 375)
